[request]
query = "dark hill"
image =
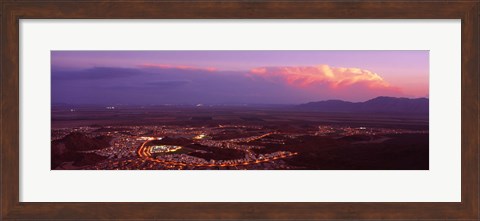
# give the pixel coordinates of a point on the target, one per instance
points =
(67, 149)
(376, 105)
(80, 142)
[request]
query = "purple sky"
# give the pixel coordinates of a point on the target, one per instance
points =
(212, 77)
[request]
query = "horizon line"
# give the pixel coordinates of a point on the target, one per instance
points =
(227, 104)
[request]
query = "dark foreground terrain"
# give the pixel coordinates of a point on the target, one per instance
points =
(236, 137)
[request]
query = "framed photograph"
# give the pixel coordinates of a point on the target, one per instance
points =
(239, 110)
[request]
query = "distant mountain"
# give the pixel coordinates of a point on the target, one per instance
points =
(376, 105)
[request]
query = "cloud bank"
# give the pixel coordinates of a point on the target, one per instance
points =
(181, 67)
(173, 84)
(322, 75)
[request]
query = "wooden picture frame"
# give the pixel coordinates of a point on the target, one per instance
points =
(12, 11)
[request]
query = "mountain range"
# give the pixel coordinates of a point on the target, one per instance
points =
(375, 105)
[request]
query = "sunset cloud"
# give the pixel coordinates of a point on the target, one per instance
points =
(321, 75)
(265, 85)
(181, 67)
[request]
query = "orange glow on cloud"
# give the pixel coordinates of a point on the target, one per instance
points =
(182, 67)
(334, 77)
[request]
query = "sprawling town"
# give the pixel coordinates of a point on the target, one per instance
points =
(219, 147)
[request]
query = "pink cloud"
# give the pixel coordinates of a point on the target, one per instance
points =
(321, 75)
(182, 67)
